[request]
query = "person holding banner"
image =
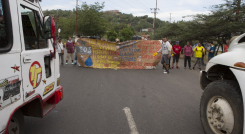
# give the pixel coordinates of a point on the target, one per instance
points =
(166, 53)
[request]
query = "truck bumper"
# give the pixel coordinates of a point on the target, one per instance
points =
(58, 94)
(51, 102)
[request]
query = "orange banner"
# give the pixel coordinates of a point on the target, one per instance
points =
(126, 55)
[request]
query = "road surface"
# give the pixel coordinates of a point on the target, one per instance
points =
(104, 101)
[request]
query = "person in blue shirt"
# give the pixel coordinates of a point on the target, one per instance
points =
(211, 51)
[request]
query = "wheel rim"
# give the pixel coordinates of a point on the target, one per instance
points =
(220, 115)
(13, 127)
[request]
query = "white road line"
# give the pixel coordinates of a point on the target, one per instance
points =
(131, 122)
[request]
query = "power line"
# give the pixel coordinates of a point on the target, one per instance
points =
(116, 4)
(131, 6)
(137, 2)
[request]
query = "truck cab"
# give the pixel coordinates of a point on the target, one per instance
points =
(222, 102)
(30, 75)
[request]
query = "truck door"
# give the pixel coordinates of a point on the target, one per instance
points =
(37, 63)
(10, 66)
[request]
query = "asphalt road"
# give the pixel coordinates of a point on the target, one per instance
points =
(94, 100)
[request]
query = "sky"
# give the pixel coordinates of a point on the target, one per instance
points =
(177, 8)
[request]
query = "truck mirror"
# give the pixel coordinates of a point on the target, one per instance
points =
(49, 27)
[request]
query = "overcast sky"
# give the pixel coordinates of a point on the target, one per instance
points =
(177, 8)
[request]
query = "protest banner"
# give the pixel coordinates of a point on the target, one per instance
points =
(137, 54)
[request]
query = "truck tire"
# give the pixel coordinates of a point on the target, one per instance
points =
(221, 108)
(16, 124)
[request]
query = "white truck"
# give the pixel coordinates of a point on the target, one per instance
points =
(29, 69)
(223, 82)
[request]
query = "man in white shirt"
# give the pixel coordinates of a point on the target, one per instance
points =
(59, 50)
(166, 53)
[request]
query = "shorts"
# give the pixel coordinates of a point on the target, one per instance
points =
(165, 59)
(70, 55)
(176, 57)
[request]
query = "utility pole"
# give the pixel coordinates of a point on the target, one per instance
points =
(120, 27)
(155, 15)
(170, 17)
(76, 17)
(237, 12)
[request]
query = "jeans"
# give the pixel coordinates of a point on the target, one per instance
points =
(61, 56)
(75, 58)
(199, 60)
(187, 59)
(169, 62)
(176, 58)
(203, 60)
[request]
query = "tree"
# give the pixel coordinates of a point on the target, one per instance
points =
(150, 20)
(90, 20)
(126, 33)
(220, 25)
(112, 35)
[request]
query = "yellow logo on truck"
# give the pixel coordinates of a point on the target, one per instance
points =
(48, 88)
(35, 74)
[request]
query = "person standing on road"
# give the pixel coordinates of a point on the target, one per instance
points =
(166, 53)
(75, 53)
(177, 52)
(187, 54)
(170, 42)
(211, 51)
(200, 50)
(60, 50)
(203, 55)
(226, 46)
(70, 50)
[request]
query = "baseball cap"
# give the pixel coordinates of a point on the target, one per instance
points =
(177, 42)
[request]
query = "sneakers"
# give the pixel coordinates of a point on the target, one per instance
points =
(177, 67)
(172, 67)
(190, 68)
(166, 72)
(72, 63)
(66, 63)
(193, 68)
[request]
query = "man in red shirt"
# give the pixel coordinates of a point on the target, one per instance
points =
(177, 51)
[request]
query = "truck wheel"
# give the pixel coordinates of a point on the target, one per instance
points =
(221, 108)
(16, 124)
